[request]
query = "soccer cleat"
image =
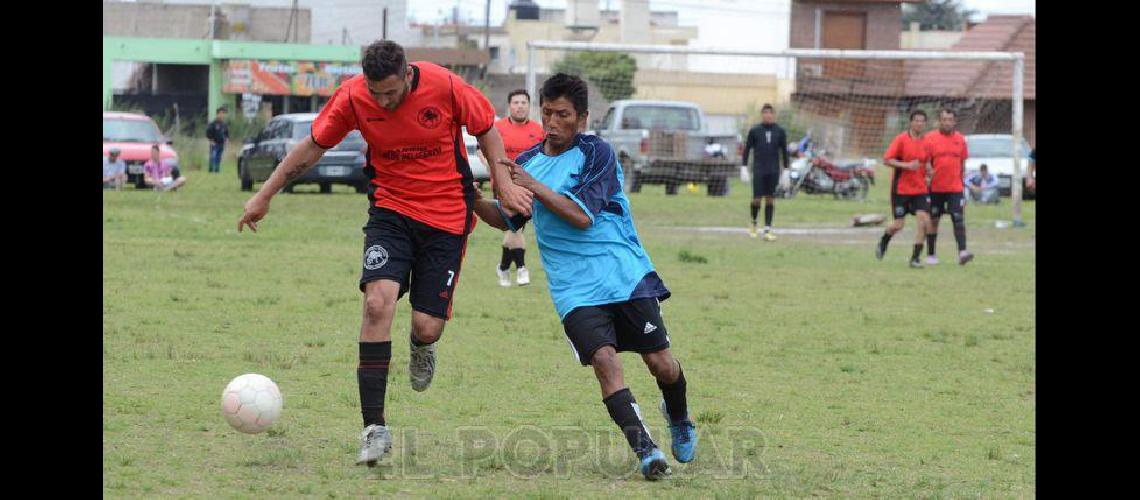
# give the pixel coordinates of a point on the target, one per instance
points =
(654, 466)
(504, 276)
(375, 442)
(915, 264)
(769, 236)
(879, 252)
(421, 366)
(522, 276)
(684, 435)
(752, 230)
(964, 257)
(931, 260)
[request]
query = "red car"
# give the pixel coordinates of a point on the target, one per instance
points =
(134, 135)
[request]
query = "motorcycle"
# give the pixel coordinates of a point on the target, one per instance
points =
(814, 173)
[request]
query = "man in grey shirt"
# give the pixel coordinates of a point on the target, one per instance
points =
(114, 170)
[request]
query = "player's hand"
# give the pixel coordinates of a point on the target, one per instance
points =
(516, 198)
(255, 210)
(1031, 183)
(519, 175)
(914, 164)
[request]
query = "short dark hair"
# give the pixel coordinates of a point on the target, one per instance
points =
(221, 109)
(156, 147)
(917, 112)
(569, 86)
(983, 167)
(948, 111)
(516, 92)
(767, 107)
(384, 58)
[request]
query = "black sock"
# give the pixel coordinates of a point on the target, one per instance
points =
(931, 239)
(917, 251)
(675, 402)
(372, 379)
(960, 234)
(884, 241)
(623, 409)
(505, 262)
(755, 210)
(768, 209)
(518, 254)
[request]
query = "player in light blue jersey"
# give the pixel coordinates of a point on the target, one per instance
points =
(605, 289)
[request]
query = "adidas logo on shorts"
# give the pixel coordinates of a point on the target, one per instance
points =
(649, 328)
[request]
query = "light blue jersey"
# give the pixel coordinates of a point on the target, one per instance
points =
(604, 263)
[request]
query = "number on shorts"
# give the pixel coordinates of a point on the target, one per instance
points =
(450, 277)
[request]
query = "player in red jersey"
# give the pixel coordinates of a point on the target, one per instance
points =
(908, 157)
(948, 153)
(519, 133)
(421, 196)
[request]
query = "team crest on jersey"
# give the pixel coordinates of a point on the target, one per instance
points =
(375, 257)
(429, 117)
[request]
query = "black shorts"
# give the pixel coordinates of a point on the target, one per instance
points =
(952, 203)
(419, 257)
(634, 325)
(764, 183)
(903, 204)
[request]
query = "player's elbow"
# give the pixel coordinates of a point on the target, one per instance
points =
(582, 221)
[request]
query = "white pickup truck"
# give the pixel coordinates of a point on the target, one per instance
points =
(667, 142)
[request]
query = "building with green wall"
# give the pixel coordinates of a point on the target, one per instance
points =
(215, 54)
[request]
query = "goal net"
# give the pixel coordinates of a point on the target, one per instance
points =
(845, 104)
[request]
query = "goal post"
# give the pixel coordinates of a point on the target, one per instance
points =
(856, 97)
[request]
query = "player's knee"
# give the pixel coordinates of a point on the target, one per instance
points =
(605, 358)
(660, 364)
(427, 329)
(378, 306)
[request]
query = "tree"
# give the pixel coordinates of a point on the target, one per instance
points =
(612, 72)
(945, 15)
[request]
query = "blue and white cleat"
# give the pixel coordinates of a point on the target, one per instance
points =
(654, 466)
(684, 435)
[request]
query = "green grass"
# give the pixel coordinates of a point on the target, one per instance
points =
(813, 368)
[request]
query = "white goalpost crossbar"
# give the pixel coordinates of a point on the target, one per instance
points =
(1017, 94)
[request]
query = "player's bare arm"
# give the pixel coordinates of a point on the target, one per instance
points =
(295, 164)
(488, 211)
(906, 165)
(515, 198)
(562, 206)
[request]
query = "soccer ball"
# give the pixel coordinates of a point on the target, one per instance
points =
(251, 403)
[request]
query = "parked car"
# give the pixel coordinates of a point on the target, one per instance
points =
(478, 169)
(134, 135)
(342, 164)
(996, 151)
(665, 142)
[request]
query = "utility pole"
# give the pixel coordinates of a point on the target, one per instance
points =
(487, 38)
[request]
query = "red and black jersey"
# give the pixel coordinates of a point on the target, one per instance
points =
(519, 137)
(417, 161)
(905, 148)
(948, 152)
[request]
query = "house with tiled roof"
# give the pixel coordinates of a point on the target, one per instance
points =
(982, 90)
(868, 100)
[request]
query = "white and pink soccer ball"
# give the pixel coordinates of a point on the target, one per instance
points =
(251, 403)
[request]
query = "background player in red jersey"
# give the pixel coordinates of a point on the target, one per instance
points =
(908, 157)
(948, 153)
(519, 133)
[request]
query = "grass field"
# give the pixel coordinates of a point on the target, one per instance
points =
(813, 369)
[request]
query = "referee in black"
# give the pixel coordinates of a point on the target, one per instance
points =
(770, 142)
